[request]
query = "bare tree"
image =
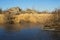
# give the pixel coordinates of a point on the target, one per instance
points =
(0, 11)
(56, 21)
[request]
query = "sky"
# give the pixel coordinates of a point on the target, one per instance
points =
(39, 5)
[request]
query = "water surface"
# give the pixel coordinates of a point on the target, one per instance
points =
(27, 32)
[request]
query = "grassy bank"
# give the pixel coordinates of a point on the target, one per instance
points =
(34, 18)
(2, 19)
(28, 18)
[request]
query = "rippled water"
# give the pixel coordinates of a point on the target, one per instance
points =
(27, 32)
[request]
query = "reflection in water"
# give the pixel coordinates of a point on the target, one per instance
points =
(56, 35)
(11, 27)
(27, 32)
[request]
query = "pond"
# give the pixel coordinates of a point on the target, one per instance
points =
(27, 32)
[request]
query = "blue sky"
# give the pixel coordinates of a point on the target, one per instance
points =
(40, 5)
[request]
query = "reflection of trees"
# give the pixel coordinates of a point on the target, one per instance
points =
(12, 27)
(56, 35)
(8, 27)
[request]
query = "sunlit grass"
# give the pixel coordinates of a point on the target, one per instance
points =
(34, 18)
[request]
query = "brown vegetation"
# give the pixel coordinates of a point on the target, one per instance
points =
(16, 15)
